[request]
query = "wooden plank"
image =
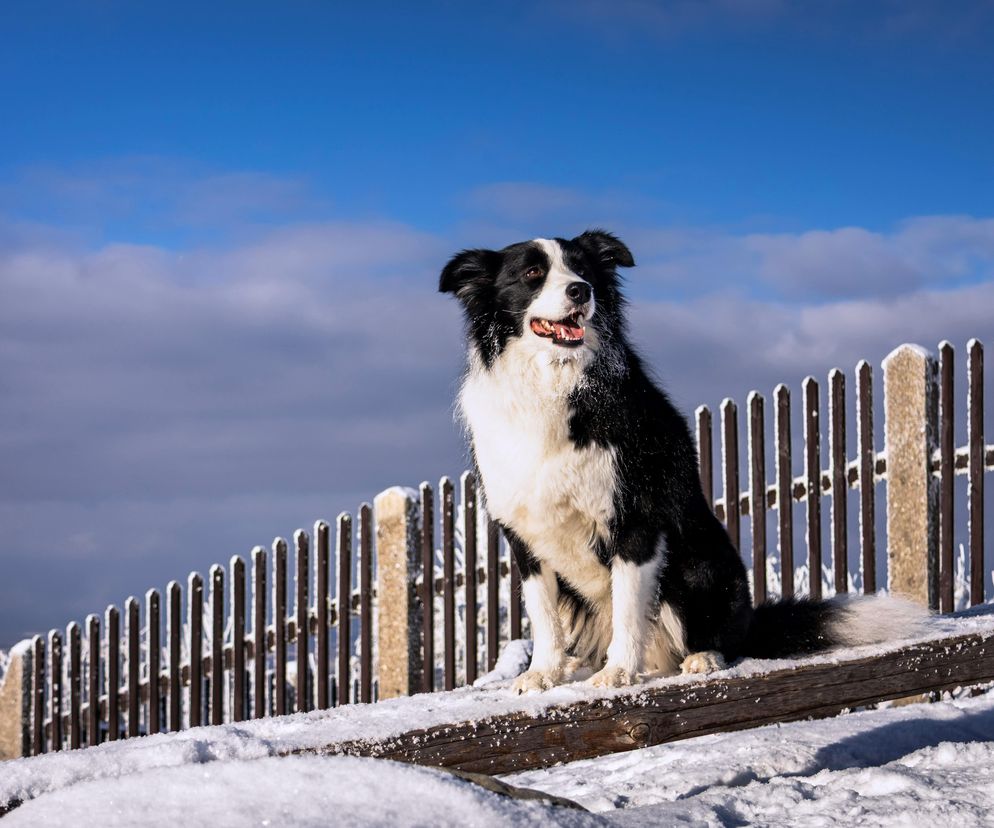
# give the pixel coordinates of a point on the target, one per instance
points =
(705, 455)
(174, 625)
(301, 544)
(237, 610)
(449, 580)
(469, 573)
(112, 656)
(365, 603)
(134, 666)
(493, 593)
(947, 474)
(55, 688)
(730, 468)
(92, 680)
(217, 644)
(344, 546)
(153, 660)
(195, 622)
(757, 494)
(279, 624)
(975, 472)
(812, 476)
(428, 587)
(669, 712)
(321, 558)
(38, 700)
(867, 478)
(840, 486)
(260, 644)
(74, 638)
(514, 596)
(784, 488)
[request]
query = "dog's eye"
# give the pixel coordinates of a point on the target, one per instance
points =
(534, 273)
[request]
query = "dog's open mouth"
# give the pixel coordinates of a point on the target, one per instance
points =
(567, 332)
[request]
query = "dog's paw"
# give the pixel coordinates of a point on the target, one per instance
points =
(708, 661)
(536, 681)
(611, 676)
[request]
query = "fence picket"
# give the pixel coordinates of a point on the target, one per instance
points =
(237, 620)
(867, 475)
(493, 593)
(730, 469)
(812, 477)
(428, 586)
(38, 697)
(704, 453)
(279, 624)
(217, 644)
(301, 544)
(975, 468)
(260, 643)
(344, 606)
(469, 572)
(153, 620)
(365, 603)
(449, 581)
(785, 490)
(195, 622)
(757, 494)
(93, 680)
(55, 688)
(134, 665)
(174, 626)
(321, 539)
(840, 483)
(947, 472)
(112, 621)
(75, 669)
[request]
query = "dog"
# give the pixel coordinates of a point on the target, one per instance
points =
(592, 475)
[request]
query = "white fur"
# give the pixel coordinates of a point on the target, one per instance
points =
(873, 618)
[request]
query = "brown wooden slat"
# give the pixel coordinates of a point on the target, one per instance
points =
(654, 715)
(704, 453)
(279, 624)
(75, 683)
(301, 545)
(321, 679)
(174, 625)
(260, 648)
(153, 659)
(867, 491)
(92, 680)
(947, 473)
(515, 599)
(469, 572)
(975, 474)
(217, 644)
(55, 688)
(38, 697)
(449, 577)
(365, 603)
(757, 494)
(134, 666)
(730, 469)
(237, 610)
(427, 586)
(493, 593)
(785, 483)
(812, 474)
(112, 656)
(840, 487)
(195, 622)
(344, 608)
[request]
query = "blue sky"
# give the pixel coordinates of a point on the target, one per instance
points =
(221, 226)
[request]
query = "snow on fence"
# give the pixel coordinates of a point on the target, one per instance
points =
(205, 666)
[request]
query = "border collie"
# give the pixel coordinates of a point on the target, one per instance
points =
(592, 475)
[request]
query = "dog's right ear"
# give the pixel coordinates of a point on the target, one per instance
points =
(469, 268)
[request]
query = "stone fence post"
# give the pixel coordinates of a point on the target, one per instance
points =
(398, 559)
(911, 436)
(15, 702)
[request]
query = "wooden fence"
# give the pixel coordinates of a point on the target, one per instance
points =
(420, 615)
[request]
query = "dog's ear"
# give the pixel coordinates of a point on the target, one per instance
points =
(468, 268)
(606, 248)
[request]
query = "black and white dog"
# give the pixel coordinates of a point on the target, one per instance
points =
(592, 474)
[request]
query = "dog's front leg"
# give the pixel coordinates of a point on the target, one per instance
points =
(541, 592)
(632, 596)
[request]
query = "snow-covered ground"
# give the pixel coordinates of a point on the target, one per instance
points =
(900, 766)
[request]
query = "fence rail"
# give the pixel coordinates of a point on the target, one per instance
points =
(432, 592)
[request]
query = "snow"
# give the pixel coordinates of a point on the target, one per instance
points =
(877, 767)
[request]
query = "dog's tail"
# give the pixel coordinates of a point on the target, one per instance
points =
(798, 626)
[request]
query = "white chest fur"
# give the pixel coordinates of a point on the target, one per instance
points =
(557, 498)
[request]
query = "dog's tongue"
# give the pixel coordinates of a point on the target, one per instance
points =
(568, 330)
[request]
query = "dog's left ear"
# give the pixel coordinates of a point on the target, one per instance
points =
(606, 247)
(468, 268)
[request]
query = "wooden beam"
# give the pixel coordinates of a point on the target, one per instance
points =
(651, 715)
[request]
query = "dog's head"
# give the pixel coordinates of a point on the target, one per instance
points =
(553, 294)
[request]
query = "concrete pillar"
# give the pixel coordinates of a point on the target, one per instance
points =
(910, 411)
(15, 703)
(398, 558)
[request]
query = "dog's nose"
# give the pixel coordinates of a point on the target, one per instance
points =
(578, 292)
